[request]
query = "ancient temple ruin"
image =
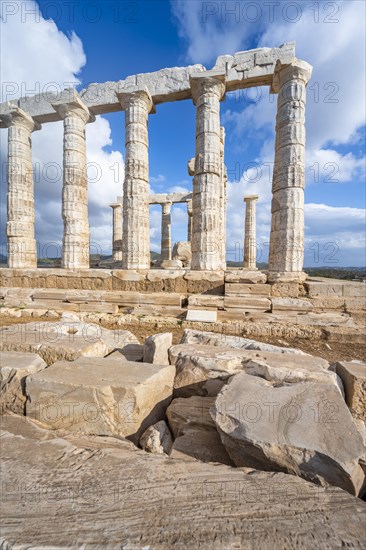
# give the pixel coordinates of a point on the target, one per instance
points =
(139, 96)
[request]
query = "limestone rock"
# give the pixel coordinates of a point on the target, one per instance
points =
(156, 348)
(304, 429)
(235, 342)
(353, 375)
(14, 368)
(203, 370)
(157, 439)
(195, 434)
(100, 396)
(84, 491)
(63, 340)
(183, 251)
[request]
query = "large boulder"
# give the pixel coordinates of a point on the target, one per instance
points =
(183, 251)
(100, 396)
(194, 431)
(353, 375)
(203, 370)
(236, 342)
(303, 429)
(67, 339)
(14, 368)
(95, 492)
(156, 348)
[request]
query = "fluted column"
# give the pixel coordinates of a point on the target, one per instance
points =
(136, 226)
(190, 215)
(208, 90)
(117, 232)
(22, 250)
(250, 238)
(286, 252)
(76, 237)
(166, 232)
(223, 198)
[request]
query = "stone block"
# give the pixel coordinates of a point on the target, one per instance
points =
(101, 397)
(250, 302)
(201, 315)
(353, 376)
(14, 368)
(156, 348)
(206, 300)
(157, 439)
(242, 289)
(290, 304)
(243, 276)
(308, 432)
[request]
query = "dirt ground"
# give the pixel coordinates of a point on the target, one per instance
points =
(333, 351)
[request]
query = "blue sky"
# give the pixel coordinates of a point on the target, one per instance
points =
(94, 41)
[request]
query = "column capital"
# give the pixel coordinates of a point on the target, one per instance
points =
(191, 166)
(250, 198)
(284, 72)
(115, 205)
(208, 81)
(15, 116)
(73, 104)
(127, 99)
(166, 206)
(190, 207)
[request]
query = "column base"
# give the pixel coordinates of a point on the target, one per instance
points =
(286, 276)
(171, 264)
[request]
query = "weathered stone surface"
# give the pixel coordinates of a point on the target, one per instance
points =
(290, 304)
(102, 492)
(216, 339)
(245, 276)
(205, 300)
(353, 376)
(194, 431)
(245, 289)
(182, 251)
(156, 348)
(203, 370)
(64, 340)
(248, 302)
(100, 396)
(304, 429)
(202, 315)
(157, 439)
(14, 368)
(250, 239)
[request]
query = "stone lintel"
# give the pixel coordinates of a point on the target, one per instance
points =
(162, 198)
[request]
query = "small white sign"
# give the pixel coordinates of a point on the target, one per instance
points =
(202, 315)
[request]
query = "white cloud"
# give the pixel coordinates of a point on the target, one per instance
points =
(32, 48)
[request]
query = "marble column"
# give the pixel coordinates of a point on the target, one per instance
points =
(117, 232)
(223, 198)
(22, 251)
(286, 252)
(250, 239)
(76, 238)
(208, 90)
(136, 227)
(190, 215)
(166, 232)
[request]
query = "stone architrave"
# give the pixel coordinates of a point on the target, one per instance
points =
(250, 238)
(166, 232)
(22, 250)
(208, 90)
(117, 232)
(136, 230)
(76, 238)
(286, 251)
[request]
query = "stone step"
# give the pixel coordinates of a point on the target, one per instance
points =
(291, 304)
(245, 276)
(205, 300)
(243, 289)
(247, 303)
